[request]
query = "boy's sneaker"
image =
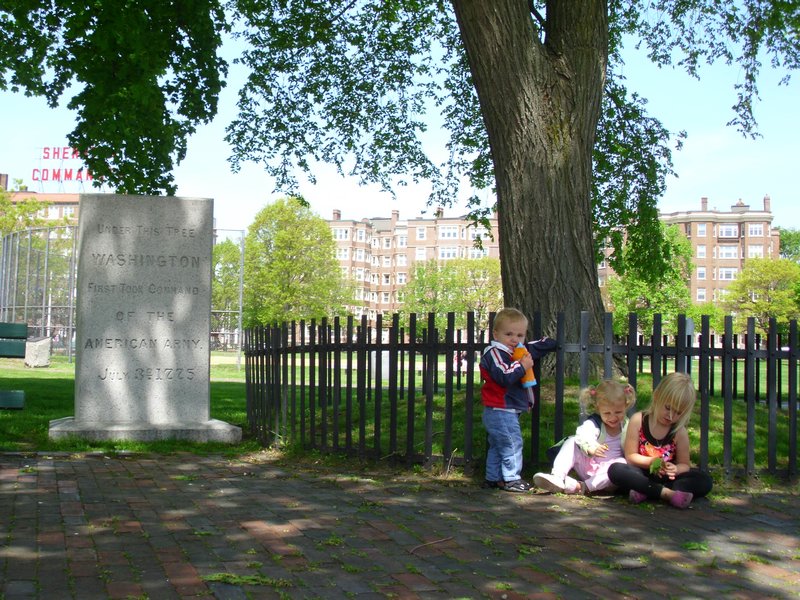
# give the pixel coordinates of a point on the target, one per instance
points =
(551, 483)
(518, 485)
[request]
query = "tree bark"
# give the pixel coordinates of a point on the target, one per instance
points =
(541, 104)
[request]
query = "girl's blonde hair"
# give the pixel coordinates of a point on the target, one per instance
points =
(607, 390)
(678, 391)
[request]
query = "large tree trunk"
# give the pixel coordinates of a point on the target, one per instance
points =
(541, 104)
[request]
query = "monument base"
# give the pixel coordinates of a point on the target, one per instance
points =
(208, 431)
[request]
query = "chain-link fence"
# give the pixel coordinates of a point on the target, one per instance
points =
(38, 269)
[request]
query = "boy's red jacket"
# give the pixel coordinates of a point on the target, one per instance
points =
(501, 375)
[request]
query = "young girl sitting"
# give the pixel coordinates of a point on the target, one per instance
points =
(597, 442)
(657, 448)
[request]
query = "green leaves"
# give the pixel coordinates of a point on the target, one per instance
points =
(146, 74)
(291, 271)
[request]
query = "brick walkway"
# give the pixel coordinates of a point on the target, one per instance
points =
(160, 528)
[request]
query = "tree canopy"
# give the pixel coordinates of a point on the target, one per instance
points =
(290, 269)
(790, 244)
(18, 215)
(531, 94)
(765, 289)
(457, 286)
(141, 76)
(669, 296)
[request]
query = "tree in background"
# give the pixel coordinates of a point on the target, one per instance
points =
(458, 286)
(669, 295)
(290, 268)
(765, 289)
(15, 216)
(790, 244)
(226, 267)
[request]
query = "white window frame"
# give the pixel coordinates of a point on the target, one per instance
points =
(701, 273)
(422, 233)
(728, 251)
(448, 232)
(701, 251)
(701, 230)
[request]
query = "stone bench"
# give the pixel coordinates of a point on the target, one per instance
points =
(13, 337)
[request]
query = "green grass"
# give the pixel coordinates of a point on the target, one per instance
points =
(49, 394)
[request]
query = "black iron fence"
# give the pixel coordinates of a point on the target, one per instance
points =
(413, 393)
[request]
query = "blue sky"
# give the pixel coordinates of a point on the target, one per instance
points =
(716, 162)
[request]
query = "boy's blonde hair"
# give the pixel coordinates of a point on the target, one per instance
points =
(508, 315)
(677, 390)
(607, 390)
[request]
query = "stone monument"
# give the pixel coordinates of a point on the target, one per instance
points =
(143, 321)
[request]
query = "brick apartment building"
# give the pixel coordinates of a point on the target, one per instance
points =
(379, 253)
(722, 241)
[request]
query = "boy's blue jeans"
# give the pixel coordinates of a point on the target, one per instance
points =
(504, 459)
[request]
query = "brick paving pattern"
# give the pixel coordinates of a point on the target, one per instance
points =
(172, 527)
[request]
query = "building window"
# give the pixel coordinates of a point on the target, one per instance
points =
(603, 264)
(402, 260)
(728, 231)
(361, 235)
(727, 273)
(387, 261)
(448, 232)
(359, 274)
(755, 230)
(448, 253)
(729, 252)
(701, 251)
(387, 242)
(343, 253)
(386, 298)
(755, 251)
(475, 253)
(375, 242)
(701, 272)
(341, 234)
(360, 254)
(421, 253)
(421, 233)
(401, 278)
(701, 294)
(69, 211)
(701, 230)
(402, 241)
(387, 279)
